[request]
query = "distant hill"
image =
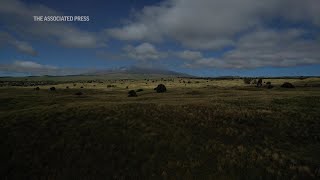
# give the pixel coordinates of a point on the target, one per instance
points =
(116, 73)
(138, 71)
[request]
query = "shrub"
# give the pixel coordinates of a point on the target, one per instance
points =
(52, 89)
(67, 87)
(287, 85)
(247, 80)
(132, 93)
(160, 88)
(37, 88)
(139, 90)
(78, 93)
(268, 85)
(302, 78)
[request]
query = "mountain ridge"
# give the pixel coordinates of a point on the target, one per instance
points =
(138, 70)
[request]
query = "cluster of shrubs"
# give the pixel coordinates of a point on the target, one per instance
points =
(161, 88)
(38, 88)
(53, 89)
(268, 85)
(26, 83)
(247, 80)
(253, 81)
(284, 85)
(111, 85)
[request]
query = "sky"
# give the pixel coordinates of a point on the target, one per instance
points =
(198, 37)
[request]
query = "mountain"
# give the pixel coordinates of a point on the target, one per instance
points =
(135, 70)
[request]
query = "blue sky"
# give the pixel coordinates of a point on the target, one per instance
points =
(204, 37)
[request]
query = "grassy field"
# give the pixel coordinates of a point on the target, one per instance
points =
(198, 129)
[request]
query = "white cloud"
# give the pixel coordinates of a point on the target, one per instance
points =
(34, 68)
(135, 32)
(144, 51)
(211, 24)
(24, 47)
(189, 55)
(266, 48)
(21, 46)
(32, 65)
(18, 17)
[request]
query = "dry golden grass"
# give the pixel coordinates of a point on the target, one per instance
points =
(220, 129)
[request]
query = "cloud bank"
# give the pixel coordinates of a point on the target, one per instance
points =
(37, 69)
(266, 48)
(241, 25)
(211, 24)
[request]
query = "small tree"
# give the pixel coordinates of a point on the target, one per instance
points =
(259, 83)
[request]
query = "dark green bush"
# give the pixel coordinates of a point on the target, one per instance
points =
(132, 93)
(247, 80)
(160, 88)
